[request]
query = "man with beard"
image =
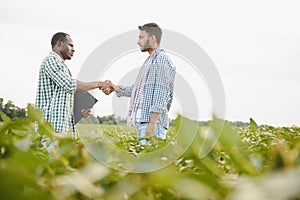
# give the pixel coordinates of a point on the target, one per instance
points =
(152, 93)
(56, 87)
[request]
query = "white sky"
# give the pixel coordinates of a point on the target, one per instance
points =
(255, 46)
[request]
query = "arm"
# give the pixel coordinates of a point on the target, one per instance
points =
(170, 96)
(85, 86)
(151, 127)
(160, 86)
(161, 83)
(64, 80)
(120, 90)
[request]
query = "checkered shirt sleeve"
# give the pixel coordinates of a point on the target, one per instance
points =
(125, 91)
(160, 84)
(55, 93)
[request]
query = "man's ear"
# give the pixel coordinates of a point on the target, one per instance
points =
(59, 43)
(153, 39)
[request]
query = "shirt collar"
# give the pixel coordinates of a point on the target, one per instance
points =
(53, 53)
(157, 51)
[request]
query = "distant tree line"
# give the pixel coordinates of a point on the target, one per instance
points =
(11, 110)
(108, 119)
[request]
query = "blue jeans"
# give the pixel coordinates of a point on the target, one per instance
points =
(141, 129)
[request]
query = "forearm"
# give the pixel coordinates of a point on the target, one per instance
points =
(117, 88)
(120, 90)
(85, 86)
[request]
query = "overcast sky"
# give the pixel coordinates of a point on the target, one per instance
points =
(255, 46)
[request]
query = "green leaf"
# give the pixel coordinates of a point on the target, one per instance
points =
(4, 117)
(233, 146)
(253, 125)
(279, 184)
(18, 179)
(45, 128)
(34, 114)
(17, 124)
(24, 144)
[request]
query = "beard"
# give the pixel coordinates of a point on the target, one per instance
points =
(66, 56)
(146, 47)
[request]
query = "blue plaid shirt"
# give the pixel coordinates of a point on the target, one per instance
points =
(158, 89)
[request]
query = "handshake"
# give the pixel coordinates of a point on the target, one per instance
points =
(108, 87)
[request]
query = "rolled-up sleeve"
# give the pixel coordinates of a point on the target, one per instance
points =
(56, 73)
(125, 91)
(161, 85)
(158, 89)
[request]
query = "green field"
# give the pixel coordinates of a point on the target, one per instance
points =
(221, 162)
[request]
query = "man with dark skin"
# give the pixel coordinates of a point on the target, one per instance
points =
(56, 87)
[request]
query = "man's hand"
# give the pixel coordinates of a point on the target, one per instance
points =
(109, 87)
(150, 130)
(151, 127)
(85, 112)
(105, 87)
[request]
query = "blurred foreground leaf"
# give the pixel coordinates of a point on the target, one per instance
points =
(253, 125)
(215, 162)
(232, 145)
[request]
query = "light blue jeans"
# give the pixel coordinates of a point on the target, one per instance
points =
(141, 129)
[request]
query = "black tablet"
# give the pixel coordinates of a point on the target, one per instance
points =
(82, 100)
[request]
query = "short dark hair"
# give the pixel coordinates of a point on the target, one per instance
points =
(152, 29)
(60, 36)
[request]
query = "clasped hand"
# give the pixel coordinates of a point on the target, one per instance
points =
(107, 87)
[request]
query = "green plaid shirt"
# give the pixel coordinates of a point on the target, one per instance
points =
(55, 93)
